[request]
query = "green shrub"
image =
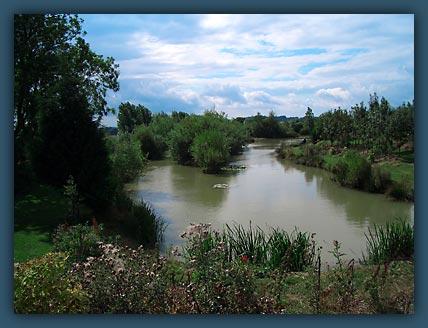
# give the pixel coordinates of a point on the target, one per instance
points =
(182, 138)
(152, 146)
(210, 150)
(79, 241)
(353, 170)
(143, 224)
(311, 156)
(44, 285)
(394, 241)
(122, 280)
(380, 179)
(400, 190)
(127, 159)
(185, 149)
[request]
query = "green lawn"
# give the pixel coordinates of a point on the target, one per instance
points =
(399, 170)
(36, 216)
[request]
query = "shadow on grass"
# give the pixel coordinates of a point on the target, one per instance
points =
(36, 216)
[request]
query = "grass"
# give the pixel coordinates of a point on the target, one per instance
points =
(399, 171)
(37, 214)
(330, 161)
(395, 291)
(394, 241)
(274, 249)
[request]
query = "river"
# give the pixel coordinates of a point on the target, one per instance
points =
(271, 193)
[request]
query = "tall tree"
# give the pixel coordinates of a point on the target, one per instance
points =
(49, 53)
(309, 121)
(69, 142)
(130, 116)
(49, 48)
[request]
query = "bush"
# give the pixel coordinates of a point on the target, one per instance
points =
(311, 156)
(127, 159)
(185, 148)
(380, 179)
(222, 283)
(237, 136)
(210, 150)
(143, 224)
(152, 146)
(44, 285)
(122, 280)
(182, 138)
(79, 241)
(394, 241)
(353, 170)
(400, 190)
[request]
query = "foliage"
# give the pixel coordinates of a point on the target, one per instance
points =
(309, 124)
(43, 285)
(49, 53)
(400, 190)
(79, 241)
(384, 295)
(51, 46)
(195, 134)
(268, 127)
(394, 241)
(376, 129)
(73, 198)
(130, 116)
(353, 170)
(182, 138)
(380, 179)
(152, 146)
(341, 282)
(210, 150)
(278, 249)
(142, 223)
(122, 280)
(119, 279)
(68, 142)
(126, 158)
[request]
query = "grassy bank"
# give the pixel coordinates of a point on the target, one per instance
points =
(39, 213)
(393, 175)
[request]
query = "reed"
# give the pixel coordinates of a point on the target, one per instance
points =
(273, 249)
(393, 241)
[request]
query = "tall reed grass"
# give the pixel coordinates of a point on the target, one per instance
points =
(394, 241)
(273, 249)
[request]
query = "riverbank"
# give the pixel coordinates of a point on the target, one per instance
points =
(391, 175)
(39, 212)
(206, 278)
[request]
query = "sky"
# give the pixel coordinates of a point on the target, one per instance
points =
(244, 64)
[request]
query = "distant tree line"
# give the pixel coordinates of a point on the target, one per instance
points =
(378, 127)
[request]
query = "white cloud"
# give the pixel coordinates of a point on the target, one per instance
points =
(334, 92)
(240, 63)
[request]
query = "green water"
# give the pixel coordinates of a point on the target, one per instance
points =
(270, 193)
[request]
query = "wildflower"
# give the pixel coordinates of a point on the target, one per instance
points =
(244, 258)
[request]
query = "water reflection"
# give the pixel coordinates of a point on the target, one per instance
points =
(362, 209)
(270, 192)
